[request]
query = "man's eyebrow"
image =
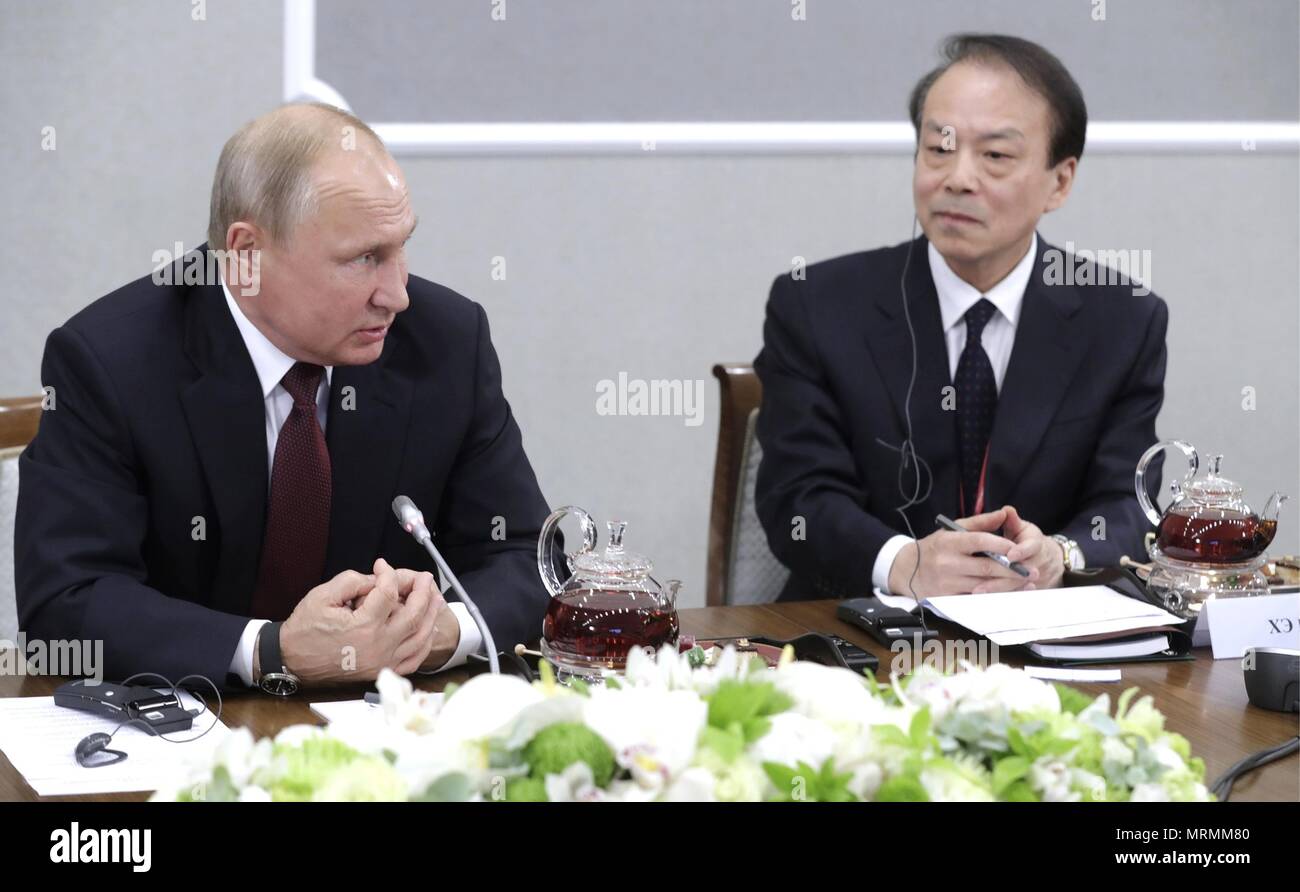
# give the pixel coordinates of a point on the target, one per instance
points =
(1004, 133)
(377, 246)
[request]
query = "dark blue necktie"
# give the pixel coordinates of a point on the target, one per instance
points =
(977, 400)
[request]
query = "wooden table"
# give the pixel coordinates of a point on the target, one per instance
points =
(1203, 700)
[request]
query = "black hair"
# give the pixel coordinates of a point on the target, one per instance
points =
(1041, 71)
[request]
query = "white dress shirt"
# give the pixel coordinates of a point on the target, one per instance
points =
(271, 365)
(956, 296)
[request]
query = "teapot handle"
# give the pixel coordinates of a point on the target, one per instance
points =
(1153, 512)
(546, 542)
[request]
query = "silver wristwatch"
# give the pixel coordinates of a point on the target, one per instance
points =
(1070, 552)
(276, 679)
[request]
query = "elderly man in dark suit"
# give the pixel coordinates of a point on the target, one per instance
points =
(1033, 395)
(211, 491)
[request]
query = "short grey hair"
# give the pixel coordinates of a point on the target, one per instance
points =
(264, 174)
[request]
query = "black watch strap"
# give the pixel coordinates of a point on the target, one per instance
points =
(276, 679)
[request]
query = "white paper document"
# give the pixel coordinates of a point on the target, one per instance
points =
(40, 739)
(1008, 618)
(351, 710)
(1052, 673)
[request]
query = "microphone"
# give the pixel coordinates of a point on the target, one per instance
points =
(412, 521)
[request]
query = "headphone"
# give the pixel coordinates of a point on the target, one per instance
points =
(92, 750)
(908, 460)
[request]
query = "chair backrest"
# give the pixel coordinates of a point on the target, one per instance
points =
(754, 575)
(741, 568)
(8, 507)
(19, 418)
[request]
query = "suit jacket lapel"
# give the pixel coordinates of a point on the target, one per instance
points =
(1044, 359)
(369, 414)
(227, 420)
(934, 427)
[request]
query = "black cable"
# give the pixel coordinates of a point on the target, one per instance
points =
(1222, 787)
(134, 720)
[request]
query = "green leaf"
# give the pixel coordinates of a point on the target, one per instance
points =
(579, 687)
(745, 706)
(902, 788)
(891, 735)
(1072, 701)
(1007, 771)
(919, 730)
(782, 777)
(833, 787)
(753, 729)
(1020, 791)
(727, 744)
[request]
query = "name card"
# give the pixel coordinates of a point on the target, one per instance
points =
(1262, 621)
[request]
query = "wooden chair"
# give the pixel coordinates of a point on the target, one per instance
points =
(19, 418)
(737, 548)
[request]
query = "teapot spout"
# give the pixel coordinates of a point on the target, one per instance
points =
(1273, 507)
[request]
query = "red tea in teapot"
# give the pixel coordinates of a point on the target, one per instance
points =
(1209, 522)
(607, 608)
(1213, 535)
(601, 627)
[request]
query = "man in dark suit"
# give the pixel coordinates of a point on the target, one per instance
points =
(211, 486)
(1034, 396)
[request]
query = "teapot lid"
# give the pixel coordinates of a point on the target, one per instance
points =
(1213, 489)
(613, 561)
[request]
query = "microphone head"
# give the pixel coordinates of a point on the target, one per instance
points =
(409, 516)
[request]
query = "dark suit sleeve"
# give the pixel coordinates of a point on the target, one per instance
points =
(1130, 428)
(492, 510)
(80, 530)
(809, 495)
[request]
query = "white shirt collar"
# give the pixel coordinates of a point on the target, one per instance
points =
(956, 296)
(269, 361)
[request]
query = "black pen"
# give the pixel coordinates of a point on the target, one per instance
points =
(1014, 566)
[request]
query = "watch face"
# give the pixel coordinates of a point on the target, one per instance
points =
(279, 684)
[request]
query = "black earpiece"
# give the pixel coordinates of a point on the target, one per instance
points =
(93, 751)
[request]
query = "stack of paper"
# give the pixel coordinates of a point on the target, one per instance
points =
(1090, 622)
(41, 739)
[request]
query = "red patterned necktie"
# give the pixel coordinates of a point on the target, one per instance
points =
(298, 511)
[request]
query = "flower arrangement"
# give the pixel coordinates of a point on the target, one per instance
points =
(672, 729)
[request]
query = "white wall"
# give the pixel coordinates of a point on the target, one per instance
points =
(656, 266)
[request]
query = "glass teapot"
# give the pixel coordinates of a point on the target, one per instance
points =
(1207, 522)
(610, 604)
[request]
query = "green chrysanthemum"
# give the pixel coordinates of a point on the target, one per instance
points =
(558, 746)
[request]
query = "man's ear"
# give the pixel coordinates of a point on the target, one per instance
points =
(1063, 181)
(242, 236)
(244, 244)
